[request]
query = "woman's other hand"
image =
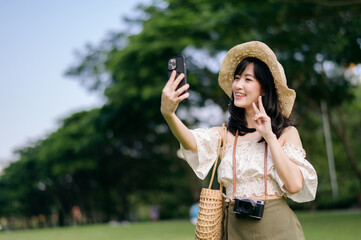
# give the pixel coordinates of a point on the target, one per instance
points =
(263, 121)
(172, 97)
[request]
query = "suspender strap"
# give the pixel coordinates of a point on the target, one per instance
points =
(235, 168)
(265, 171)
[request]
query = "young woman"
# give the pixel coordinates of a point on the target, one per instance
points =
(264, 161)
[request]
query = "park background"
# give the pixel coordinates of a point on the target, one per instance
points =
(116, 161)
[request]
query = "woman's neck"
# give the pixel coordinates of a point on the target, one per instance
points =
(249, 114)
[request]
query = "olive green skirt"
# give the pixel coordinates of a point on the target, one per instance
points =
(279, 222)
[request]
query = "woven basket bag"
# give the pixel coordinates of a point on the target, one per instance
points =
(209, 219)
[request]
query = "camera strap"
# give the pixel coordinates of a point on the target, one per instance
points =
(235, 168)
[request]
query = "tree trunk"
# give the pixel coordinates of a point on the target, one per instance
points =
(339, 128)
(124, 209)
(61, 217)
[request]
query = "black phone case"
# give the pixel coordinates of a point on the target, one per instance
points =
(178, 63)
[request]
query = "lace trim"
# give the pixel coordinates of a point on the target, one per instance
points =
(248, 189)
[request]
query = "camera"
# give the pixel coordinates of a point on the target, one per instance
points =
(248, 207)
(172, 64)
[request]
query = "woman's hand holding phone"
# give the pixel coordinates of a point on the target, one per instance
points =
(171, 96)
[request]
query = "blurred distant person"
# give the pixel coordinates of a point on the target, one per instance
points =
(193, 213)
(154, 212)
(264, 160)
(76, 214)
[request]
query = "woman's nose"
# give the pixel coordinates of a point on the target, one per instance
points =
(239, 83)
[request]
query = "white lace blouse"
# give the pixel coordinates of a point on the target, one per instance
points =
(250, 167)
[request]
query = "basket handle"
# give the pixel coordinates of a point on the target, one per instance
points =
(224, 140)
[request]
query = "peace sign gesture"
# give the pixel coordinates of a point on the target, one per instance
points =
(263, 121)
(172, 97)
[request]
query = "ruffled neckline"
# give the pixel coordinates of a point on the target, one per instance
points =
(250, 142)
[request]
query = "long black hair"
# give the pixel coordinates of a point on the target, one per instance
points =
(237, 119)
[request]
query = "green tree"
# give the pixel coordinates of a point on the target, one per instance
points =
(312, 40)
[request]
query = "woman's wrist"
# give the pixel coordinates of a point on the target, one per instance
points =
(168, 115)
(270, 138)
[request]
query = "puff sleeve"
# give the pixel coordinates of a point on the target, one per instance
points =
(202, 160)
(308, 192)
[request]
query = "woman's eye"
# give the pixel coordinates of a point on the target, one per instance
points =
(248, 79)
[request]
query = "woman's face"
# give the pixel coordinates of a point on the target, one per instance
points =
(246, 88)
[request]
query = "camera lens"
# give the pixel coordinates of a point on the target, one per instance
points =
(246, 206)
(172, 64)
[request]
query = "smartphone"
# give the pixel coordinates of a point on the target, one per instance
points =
(178, 63)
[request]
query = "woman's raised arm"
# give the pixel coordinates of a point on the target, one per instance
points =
(169, 104)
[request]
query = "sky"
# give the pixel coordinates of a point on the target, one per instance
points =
(37, 43)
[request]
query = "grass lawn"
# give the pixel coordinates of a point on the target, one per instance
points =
(316, 225)
(331, 225)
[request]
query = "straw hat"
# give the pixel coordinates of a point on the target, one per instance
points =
(286, 96)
